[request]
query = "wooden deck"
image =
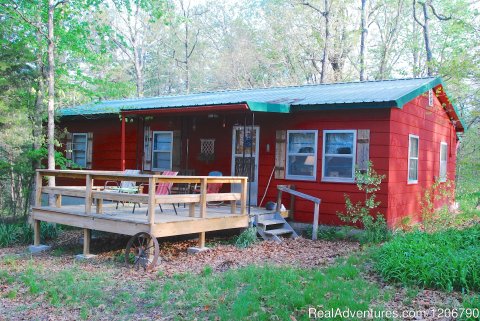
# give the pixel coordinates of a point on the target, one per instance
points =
(99, 212)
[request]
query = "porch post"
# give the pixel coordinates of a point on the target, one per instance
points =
(122, 148)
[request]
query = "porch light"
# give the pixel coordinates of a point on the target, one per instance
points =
(212, 116)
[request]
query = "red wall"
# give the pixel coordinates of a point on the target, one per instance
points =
(432, 126)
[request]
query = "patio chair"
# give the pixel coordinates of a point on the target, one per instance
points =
(128, 187)
(213, 187)
(163, 189)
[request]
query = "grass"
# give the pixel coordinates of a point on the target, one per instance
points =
(446, 260)
(263, 293)
(253, 292)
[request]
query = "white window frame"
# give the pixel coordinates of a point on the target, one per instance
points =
(353, 156)
(440, 178)
(412, 181)
(288, 154)
(158, 151)
(73, 148)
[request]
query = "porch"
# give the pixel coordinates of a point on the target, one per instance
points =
(99, 211)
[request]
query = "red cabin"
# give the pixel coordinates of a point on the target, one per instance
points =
(309, 136)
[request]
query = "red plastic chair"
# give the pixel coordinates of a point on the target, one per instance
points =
(164, 189)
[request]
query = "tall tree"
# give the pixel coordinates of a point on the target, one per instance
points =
(426, 28)
(326, 45)
(363, 37)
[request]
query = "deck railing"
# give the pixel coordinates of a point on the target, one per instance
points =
(97, 193)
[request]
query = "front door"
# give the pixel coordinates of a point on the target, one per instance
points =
(245, 158)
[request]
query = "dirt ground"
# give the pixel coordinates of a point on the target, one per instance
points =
(300, 252)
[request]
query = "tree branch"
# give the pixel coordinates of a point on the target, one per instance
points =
(415, 14)
(308, 4)
(439, 16)
(24, 18)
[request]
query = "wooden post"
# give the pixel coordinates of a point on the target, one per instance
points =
(99, 205)
(151, 201)
(243, 197)
(292, 203)
(38, 189)
(203, 197)
(315, 221)
(279, 201)
(36, 231)
(191, 209)
(58, 200)
(87, 236)
(88, 194)
(201, 240)
(203, 209)
(233, 207)
(122, 145)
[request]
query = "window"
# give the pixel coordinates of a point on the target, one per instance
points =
(443, 162)
(302, 154)
(79, 149)
(412, 159)
(162, 151)
(339, 150)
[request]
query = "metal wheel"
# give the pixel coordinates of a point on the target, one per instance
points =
(144, 249)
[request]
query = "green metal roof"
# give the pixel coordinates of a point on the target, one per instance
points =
(381, 93)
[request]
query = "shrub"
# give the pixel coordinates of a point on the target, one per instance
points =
(434, 219)
(8, 234)
(22, 233)
(376, 229)
(246, 238)
(446, 260)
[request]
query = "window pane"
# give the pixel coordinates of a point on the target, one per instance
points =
(443, 170)
(301, 143)
(162, 142)
(161, 160)
(338, 167)
(443, 152)
(413, 147)
(339, 143)
(413, 172)
(301, 165)
(79, 158)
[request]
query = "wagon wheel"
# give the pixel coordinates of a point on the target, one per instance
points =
(145, 251)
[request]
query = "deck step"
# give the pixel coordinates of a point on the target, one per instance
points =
(271, 222)
(279, 231)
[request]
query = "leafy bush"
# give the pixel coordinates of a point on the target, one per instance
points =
(247, 238)
(446, 260)
(8, 234)
(22, 233)
(369, 182)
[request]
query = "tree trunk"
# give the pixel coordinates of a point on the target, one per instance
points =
(138, 62)
(51, 96)
(426, 35)
(415, 53)
(326, 15)
(187, 71)
(362, 40)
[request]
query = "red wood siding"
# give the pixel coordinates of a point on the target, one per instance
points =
(432, 126)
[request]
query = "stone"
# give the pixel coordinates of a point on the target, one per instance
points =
(82, 257)
(34, 249)
(196, 250)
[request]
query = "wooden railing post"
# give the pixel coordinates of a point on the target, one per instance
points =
(151, 201)
(203, 209)
(38, 203)
(203, 197)
(38, 189)
(315, 221)
(88, 194)
(243, 197)
(279, 201)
